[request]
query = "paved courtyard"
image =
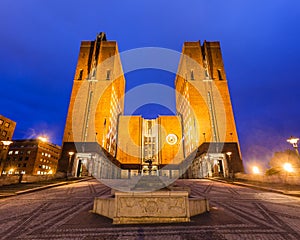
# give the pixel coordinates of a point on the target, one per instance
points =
(236, 213)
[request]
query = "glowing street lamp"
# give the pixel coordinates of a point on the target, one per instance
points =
(43, 138)
(255, 170)
(288, 167)
(230, 164)
(6, 143)
(70, 158)
(294, 141)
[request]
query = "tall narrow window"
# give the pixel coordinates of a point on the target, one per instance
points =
(206, 73)
(94, 73)
(108, 72)
(80, 74)
(192, 75)
(220, 74)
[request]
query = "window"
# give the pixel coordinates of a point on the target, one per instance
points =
(94, 73)
(192, 75)
(24, 164)
(10, 152)
(4, 133)
(206, 73)
(28, 152)
(38, 172)
(26, 158)
(1, 121)
(7, 125)
(108, 73)
(80, 74)
(220, 74)
(16, 152)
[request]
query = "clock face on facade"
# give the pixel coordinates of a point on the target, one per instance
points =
(171, 139)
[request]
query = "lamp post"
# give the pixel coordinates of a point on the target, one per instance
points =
(69, 162)
(230, 165)
(294, 141)
(6, 144)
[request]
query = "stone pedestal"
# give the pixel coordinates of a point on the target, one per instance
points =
(150, 207)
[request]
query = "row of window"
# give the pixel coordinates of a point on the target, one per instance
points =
(24, 146)
(44, 167)
(6, 124)
(12, 172)
(16, 152)
(45, 160)
(46, 154)
(43, 173)
(49, 150)
(15, 159)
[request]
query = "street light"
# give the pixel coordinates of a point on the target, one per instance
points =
(294, 140)
(230, 165)
(288, 167)
(255, 170)
(70, 158)
(43, 138)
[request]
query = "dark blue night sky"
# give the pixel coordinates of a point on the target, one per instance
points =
(260, 42)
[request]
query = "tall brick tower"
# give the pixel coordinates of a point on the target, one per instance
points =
(97, 95)
(203, 102)
(96, 100)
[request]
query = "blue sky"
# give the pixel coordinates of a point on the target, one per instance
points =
(40, 41)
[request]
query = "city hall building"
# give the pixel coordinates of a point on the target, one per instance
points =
(200, 140)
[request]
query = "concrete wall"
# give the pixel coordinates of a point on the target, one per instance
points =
(9, 180)
(283, 178)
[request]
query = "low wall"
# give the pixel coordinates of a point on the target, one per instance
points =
(279, 178)
(9, 180)
(31, 179)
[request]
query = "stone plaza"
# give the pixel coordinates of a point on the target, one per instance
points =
(65, 212)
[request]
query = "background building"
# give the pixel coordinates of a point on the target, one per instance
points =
(7, 128)
(199, 141)
(32, 157)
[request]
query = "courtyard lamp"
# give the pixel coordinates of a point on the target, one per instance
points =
(69, 162)
(294, 141)
(255, 170)
(230, 164)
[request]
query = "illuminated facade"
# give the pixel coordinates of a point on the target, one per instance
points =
(203, 127)
(31, 157)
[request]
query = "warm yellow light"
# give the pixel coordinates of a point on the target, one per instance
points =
(43, 138)
(50, 172)
(288, 167)
(6, 143)
(71, 153)
(229, 154)
(255, 170)
(293, 140)
(11, 170)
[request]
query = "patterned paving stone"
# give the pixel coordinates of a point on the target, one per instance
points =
(236, 213)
